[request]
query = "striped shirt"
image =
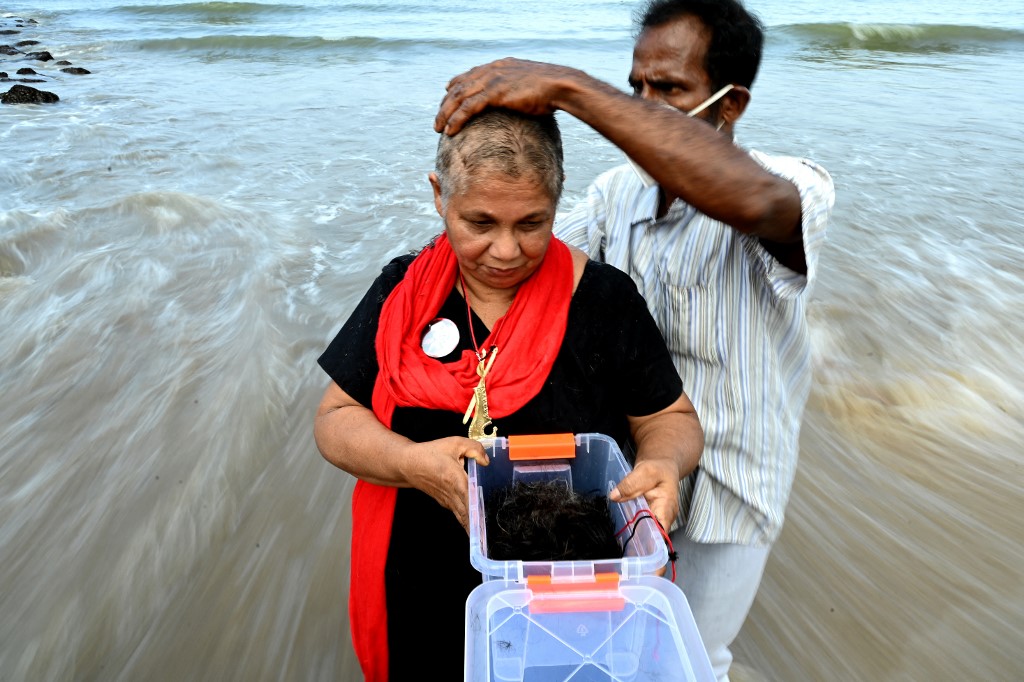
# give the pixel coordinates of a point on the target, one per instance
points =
(734, 319)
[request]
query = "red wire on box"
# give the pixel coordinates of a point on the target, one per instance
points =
(637, 518)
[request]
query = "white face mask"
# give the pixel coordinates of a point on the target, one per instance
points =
(644, 175)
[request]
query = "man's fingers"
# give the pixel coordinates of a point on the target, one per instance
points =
(460, 103)
(468, 107)
(450, 106)
(470, 93)
(442, 115)
(464, 76)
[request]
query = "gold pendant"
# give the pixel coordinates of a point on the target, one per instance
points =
(478, 428)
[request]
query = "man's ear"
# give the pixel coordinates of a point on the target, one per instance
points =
(436, 185)
(734, 104)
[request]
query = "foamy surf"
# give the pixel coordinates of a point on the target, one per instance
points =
(182, 234)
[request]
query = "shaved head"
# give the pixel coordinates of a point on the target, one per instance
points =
(499, 140)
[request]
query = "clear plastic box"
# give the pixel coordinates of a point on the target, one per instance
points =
(598, 465)
(569, 621)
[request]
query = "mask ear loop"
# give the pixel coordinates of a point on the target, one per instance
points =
(710, 100)
(644, 176)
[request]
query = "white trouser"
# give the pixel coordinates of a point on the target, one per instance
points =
(719, 581)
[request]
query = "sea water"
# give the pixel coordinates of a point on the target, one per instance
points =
(182, 234)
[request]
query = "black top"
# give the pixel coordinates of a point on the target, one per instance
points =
(612, 363)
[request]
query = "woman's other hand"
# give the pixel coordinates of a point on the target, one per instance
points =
(668, 447)
(437, 468)
(351, 438)
(658, 481)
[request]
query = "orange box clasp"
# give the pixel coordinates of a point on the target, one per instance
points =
(600, 594)
(542, 446)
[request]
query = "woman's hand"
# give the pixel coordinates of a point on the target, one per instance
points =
(668, 447)
(352, 438)
(658, 481)
(437, 468)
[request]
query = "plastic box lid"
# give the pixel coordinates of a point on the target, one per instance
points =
(598, 464)
(651, 637)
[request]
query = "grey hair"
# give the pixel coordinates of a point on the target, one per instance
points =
(516, 144)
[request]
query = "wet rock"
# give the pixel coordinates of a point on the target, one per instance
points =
(39, 56)
(9, 32)
(30, 80)
(25, 71)
(8, 50)
(76, 70)
(26, 43)
(62, 62)
(23, 94)
(3, 74)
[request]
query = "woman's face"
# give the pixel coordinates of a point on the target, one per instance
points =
(499, 227)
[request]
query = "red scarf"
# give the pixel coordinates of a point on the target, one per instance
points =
(528, 337)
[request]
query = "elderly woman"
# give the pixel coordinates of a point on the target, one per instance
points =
(498, 320)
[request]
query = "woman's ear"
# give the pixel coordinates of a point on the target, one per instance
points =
(438, 202)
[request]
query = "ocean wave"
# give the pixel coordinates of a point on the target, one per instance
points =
(901, 37)
(208, 8)
(286, 43)
(427, 7)
(250, 43)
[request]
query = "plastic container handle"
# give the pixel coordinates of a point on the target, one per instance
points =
(542, 446)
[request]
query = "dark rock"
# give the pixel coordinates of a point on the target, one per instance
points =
(23, 94)
(31, 21)
(9, 32)
(62, 62)
(25, 71)
(26, 43)
(8, 50)
(76, 70)
(3, 74)
(39, 56)
(30, 80)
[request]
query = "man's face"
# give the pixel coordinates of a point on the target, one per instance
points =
(668, 64)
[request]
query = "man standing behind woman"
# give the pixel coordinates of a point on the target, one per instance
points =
(723, 243)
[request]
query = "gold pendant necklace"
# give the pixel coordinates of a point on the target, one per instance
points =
(478, 428)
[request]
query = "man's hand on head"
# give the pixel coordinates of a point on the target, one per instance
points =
(529, 87)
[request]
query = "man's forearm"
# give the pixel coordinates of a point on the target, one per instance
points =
(687, 157)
